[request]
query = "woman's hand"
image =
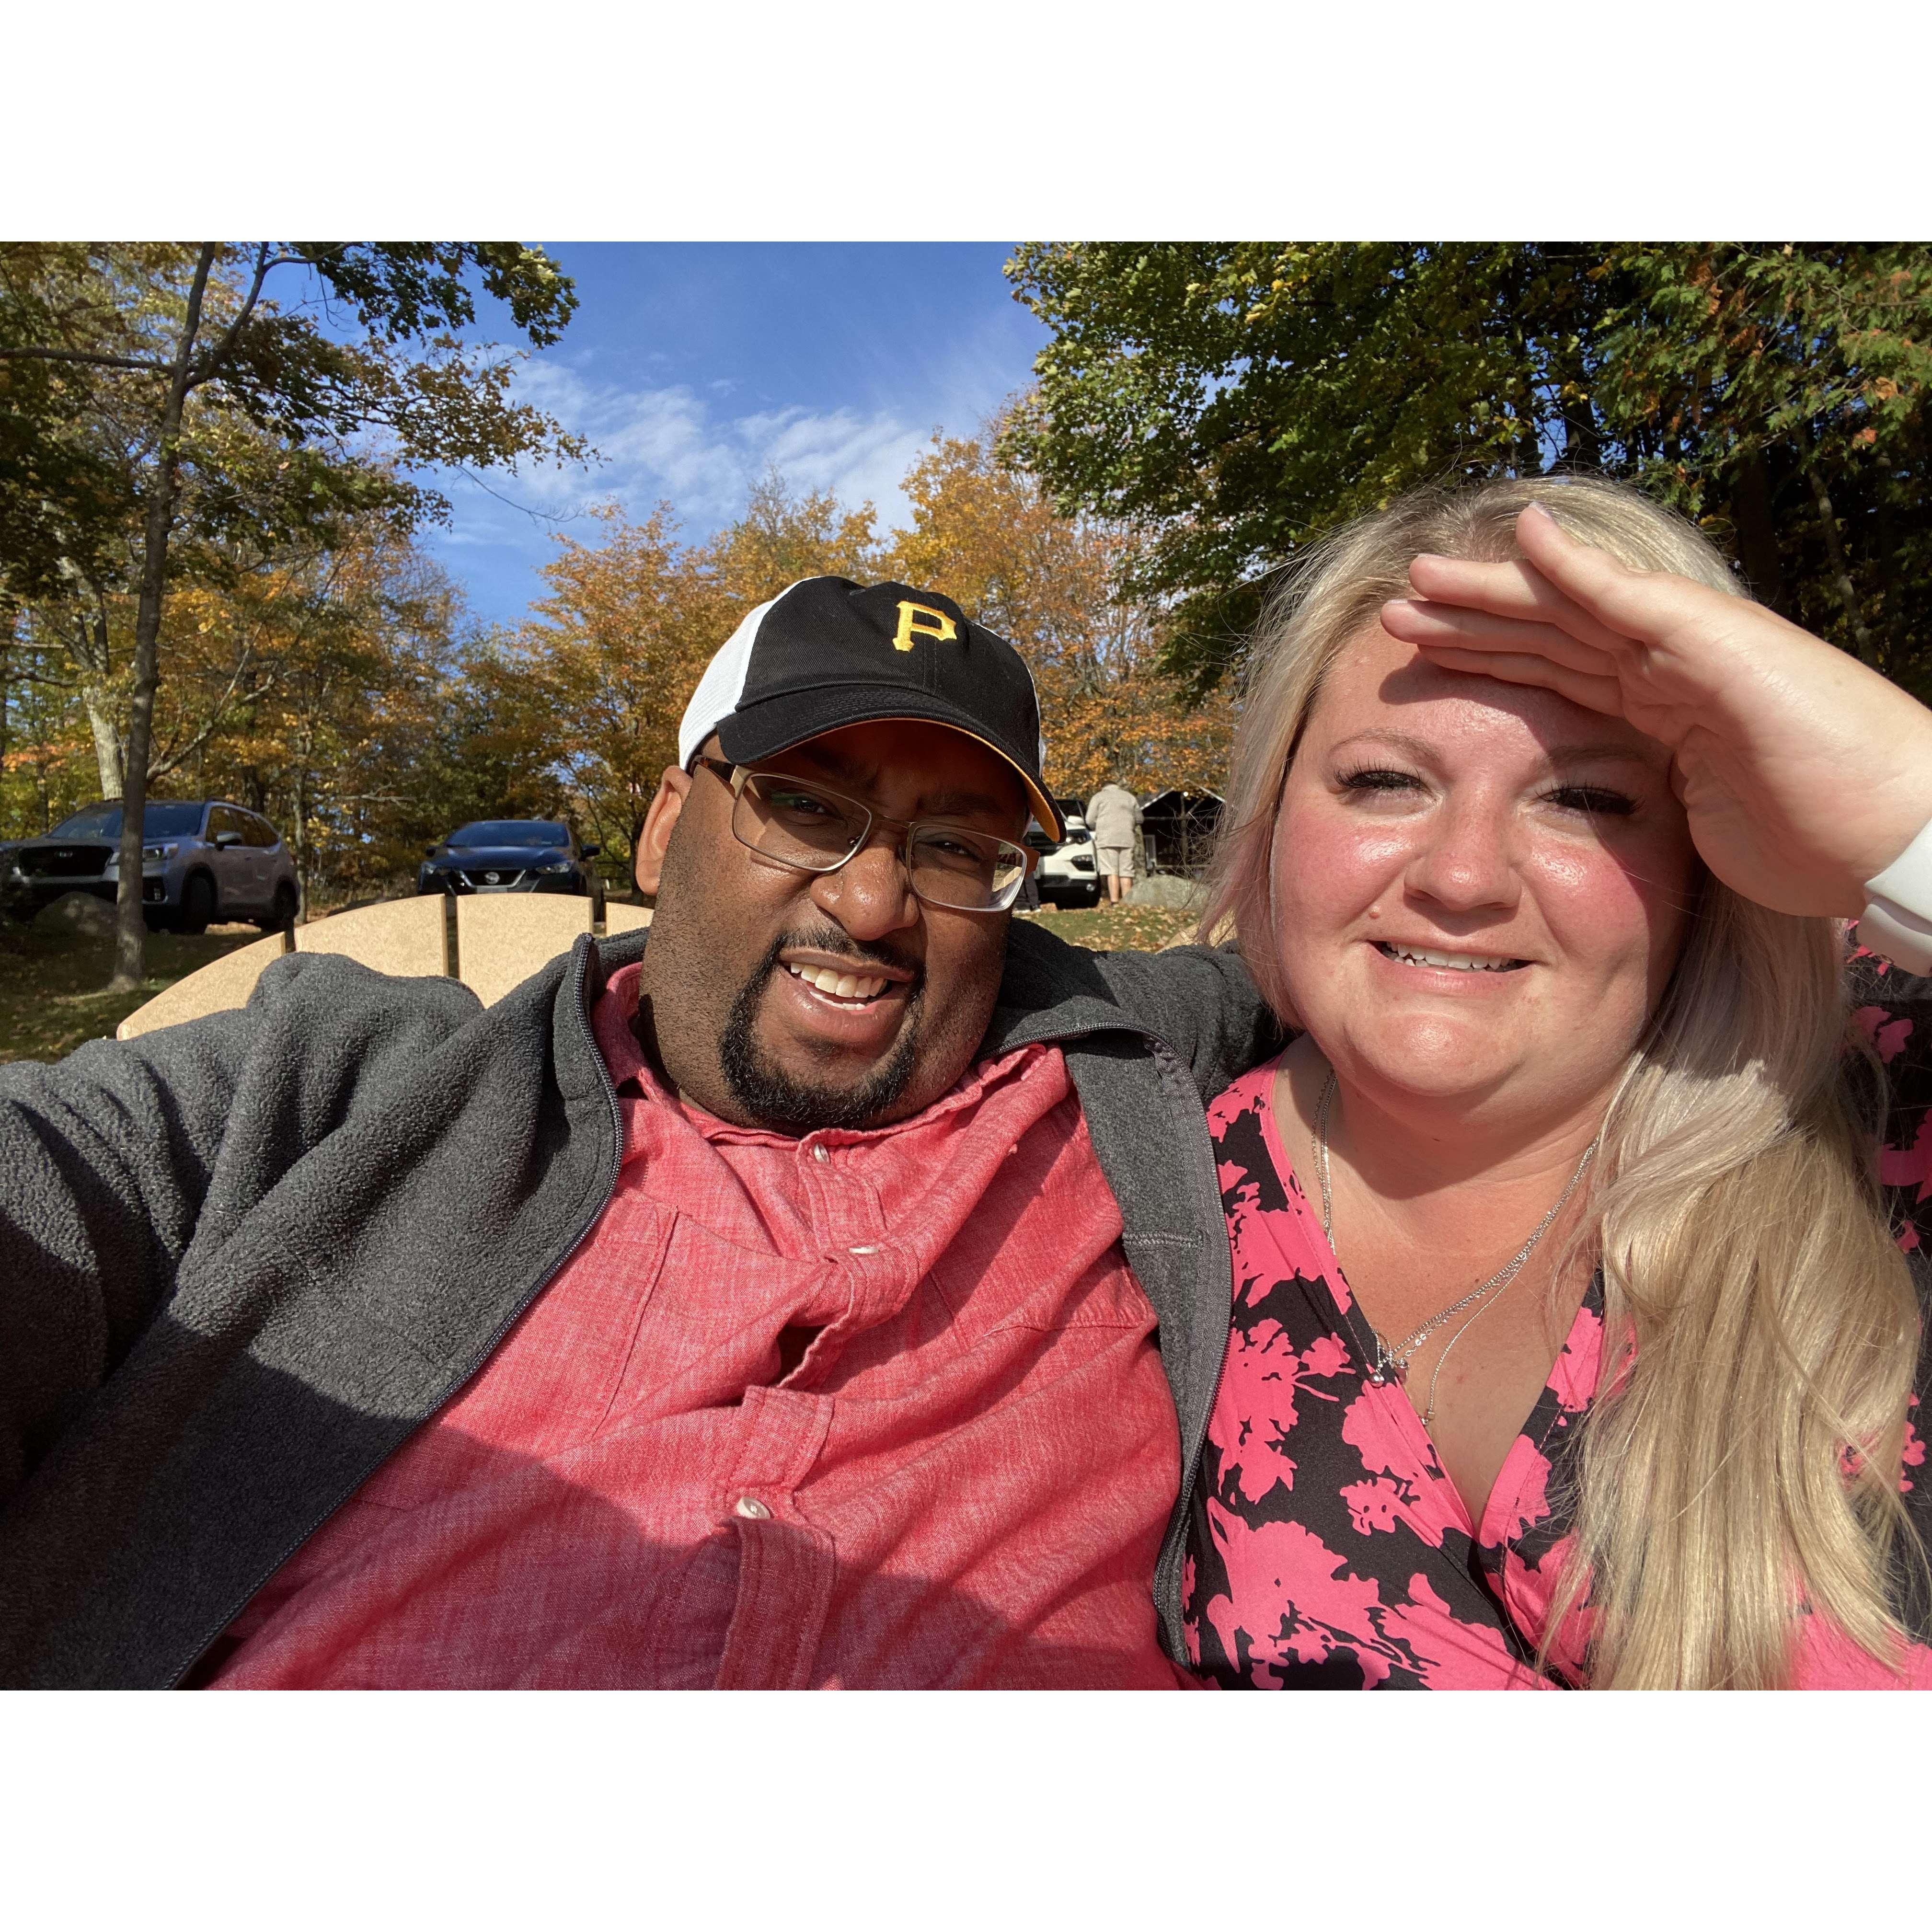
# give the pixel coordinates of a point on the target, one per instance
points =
(1803, 772)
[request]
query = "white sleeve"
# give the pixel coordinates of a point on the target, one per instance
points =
(1897, 923)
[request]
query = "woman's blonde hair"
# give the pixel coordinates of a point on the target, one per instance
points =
(1741, 1464)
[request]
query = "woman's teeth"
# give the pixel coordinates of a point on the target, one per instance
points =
(1457, 962)
(838, 986)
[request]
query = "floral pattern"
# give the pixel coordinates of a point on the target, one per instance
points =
(1327, 1548)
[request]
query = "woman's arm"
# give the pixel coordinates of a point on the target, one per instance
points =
(1804, 773)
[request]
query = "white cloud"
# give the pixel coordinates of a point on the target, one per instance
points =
(684, 443)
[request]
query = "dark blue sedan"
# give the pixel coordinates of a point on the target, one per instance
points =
(508, 855)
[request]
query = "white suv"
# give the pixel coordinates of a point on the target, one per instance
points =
(1068, 873)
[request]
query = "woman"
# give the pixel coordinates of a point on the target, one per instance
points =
(1572, 1341)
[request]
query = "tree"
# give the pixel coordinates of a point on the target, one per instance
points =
(782, 538)
(171, 345)
(988, 538)
(1232, 401)
(616, 651)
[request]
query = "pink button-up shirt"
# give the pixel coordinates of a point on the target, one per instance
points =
(964, 1481)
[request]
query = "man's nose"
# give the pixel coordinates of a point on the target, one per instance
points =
(870, 895)
(1467, 859)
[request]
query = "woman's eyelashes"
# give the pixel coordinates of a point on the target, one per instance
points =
(1596, 801)
(1374, 778)
(1591, 801)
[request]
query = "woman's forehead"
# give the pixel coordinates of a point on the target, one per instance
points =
(1379, 684)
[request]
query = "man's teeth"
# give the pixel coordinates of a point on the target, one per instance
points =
(840, 985)
(1459, 962)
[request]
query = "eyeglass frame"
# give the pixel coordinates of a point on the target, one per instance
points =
(736, 777)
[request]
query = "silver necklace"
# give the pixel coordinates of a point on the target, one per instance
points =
(1392, 1359)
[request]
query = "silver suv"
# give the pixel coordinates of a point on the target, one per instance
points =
(202, 860)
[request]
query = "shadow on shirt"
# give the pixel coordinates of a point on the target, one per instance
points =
(135, 1555)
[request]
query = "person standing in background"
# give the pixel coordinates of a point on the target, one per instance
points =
(1114, 817)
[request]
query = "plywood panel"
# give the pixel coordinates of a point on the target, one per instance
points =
(224, 982)
(502, 938)
(401, 937)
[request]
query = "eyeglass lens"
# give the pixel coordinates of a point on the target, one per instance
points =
(800, 826)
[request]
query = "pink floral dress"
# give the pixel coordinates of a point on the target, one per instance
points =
(1327, 1549)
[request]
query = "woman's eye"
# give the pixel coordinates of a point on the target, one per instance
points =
(1376, 779)
(1597, 800)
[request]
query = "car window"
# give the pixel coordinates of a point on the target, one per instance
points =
(225, 818)
(161, 820)
(258, 831)
(505, 832)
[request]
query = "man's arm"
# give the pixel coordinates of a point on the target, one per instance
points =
(1200, 1000)
(105, 1159)
(114, 1161)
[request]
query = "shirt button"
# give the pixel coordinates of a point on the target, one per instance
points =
(819, 1154)
(750, 1506)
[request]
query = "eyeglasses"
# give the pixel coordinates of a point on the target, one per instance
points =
(785, 819)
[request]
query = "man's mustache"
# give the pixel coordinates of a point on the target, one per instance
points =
(836, 941)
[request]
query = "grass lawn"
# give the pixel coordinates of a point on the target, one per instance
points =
(51, 988)
(1109, 929)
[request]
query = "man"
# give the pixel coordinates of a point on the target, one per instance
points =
(768, 1298)
(1114, 817)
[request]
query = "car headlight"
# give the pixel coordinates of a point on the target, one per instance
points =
(159, 851)
(561, 865)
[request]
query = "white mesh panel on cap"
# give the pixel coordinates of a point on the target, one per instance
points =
(722, 684)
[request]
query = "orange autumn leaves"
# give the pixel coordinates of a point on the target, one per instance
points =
(630, 620)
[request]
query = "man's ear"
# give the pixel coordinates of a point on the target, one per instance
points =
(673, 789)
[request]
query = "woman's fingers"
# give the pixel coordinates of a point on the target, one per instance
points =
(1416, 622)
(1594, 693)
(1515, 590)
(1645, 605)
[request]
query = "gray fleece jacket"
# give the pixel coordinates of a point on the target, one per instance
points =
(242, 1260)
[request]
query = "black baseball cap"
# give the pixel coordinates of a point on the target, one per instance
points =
(827, 652)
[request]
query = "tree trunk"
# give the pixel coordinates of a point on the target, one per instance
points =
(1841, 575)
(88, 647)
(130, 936)
(1757, 531)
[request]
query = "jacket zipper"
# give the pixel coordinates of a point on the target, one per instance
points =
(578, 968)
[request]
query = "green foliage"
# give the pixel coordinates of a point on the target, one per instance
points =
(1234, 401)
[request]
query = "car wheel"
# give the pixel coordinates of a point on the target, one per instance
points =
(282, 912)
(197, 904)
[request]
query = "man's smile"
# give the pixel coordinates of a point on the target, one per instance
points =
(827, 1000)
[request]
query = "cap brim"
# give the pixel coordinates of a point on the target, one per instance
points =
(760, 730)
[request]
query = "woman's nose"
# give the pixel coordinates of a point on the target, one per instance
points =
(1466, 861)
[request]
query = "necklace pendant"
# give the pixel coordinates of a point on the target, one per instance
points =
(1376, 1378)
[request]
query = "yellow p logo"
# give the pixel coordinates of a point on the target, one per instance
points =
(939, 627)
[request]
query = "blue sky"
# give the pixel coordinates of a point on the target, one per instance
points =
(694, 367)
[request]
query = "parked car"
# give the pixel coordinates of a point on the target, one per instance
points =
(1068, 874)
(202, 860)
(508, 855)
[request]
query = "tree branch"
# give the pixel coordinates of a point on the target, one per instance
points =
(212, 361)
(86, 355)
